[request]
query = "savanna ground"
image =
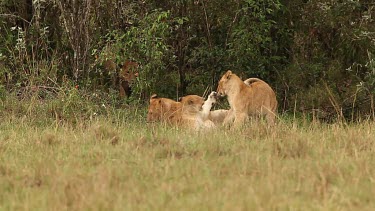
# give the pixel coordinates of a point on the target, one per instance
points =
(113, 160)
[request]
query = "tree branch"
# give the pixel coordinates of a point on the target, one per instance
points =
(15, 16)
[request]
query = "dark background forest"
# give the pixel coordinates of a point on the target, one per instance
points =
(318, 55)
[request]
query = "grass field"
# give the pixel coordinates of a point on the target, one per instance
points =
(112, 162)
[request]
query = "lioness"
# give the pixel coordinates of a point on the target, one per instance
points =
(253, 97)
(191, 111)
(170, 111)
(191, 106)
(218, 116)
(161, 109)
(127, 75)
(122, 78)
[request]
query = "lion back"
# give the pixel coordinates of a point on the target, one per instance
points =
(263, 95)
(162, 109)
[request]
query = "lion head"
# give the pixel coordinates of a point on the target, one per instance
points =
(129, 71)
(163, 109)
(160, 109)
(154, 109)
(127, 76)
(192, 103)
(224, 84)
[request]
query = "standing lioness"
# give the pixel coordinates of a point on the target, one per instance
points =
(255, 99)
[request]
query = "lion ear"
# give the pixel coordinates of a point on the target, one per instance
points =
(229, 74)
(179, 99)
(153, 97)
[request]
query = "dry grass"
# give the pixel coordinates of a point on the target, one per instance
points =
(108, 164)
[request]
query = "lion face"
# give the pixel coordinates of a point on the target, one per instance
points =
(192, 103)
(223, 84)
(127, 76)
(129, 71)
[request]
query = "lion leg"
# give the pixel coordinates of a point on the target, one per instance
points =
(208, 124)
(207, 105)
(270, 117)
(239, 120)
(229, 118)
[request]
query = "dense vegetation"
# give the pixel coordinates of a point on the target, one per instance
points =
(69, 142)
(318, 55)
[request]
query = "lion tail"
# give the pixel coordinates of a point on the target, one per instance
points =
(252, 80)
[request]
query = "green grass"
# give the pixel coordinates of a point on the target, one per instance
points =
(112, 162)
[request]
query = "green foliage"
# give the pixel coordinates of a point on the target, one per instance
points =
(368, 83)
(251, 45)
(301, 48)
(26, 58)
(330, 50)
(68, 104)
(145, 43)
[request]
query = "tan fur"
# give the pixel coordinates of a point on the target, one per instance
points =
(218, 116)
(186, 113)
(162, 109)
(170, 111)
(255, 99)
(202, 120)
(191, 105)
(249, 81)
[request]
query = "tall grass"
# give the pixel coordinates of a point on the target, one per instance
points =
(115, 161)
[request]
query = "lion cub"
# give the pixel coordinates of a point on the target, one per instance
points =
(173, 112)
(191, 111)
(161, 109)
(253, 97)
